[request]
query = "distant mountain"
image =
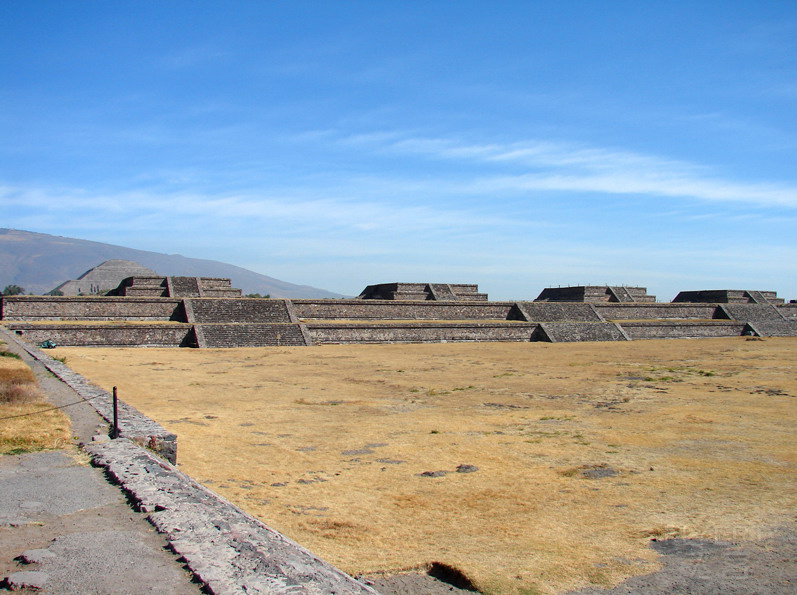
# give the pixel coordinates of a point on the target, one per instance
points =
(40, 262)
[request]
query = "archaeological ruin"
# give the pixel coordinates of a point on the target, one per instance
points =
(164, 311)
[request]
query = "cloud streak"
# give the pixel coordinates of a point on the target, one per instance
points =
(561, 167)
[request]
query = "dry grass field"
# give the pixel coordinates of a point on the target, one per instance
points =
(553, 465)
(27, 421)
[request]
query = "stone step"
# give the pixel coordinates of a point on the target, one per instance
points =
(250, 335)
(184, 287)
(442, 292)
(750, 312)
(239, 310)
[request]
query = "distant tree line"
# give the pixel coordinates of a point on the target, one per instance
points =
(13, 290)
(17, 290)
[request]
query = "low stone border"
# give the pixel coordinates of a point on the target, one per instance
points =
(228, 550)
(132, 423)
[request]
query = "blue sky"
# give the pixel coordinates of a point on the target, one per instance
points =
(517, 145)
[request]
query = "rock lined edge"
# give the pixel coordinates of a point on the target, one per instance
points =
(132, 423)
(228, 550)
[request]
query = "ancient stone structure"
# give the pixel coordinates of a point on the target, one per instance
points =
(102, 278)
(194, 321)
(595, 293)
(183, 287)
(729, 296)
(452, 292)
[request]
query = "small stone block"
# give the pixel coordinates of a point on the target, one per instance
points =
(26, 579)
(35, 556)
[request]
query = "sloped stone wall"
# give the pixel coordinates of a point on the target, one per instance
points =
(565, 332)
(395, 310)
(90, 308)
(554, 312)
(107, 335)
(239, 310)
(683, 330)
(251, 335)
(420, 333)
(636, 311)
(750, 312)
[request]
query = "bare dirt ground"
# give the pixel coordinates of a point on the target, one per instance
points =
(529, 467)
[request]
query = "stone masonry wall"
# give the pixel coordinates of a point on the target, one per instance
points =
(565, 332)
(683, 330)
(554, 312)
(107, 335)
(239, 310)
(421, 333)
(636, 311)
(395, 310)
(745, 312)
(250, 335)
(90, 308)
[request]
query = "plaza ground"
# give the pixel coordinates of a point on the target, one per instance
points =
(529, 467)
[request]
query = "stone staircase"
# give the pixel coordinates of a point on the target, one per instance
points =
(184, 287)
(249, 335)
(239, 310)
(566, 332)
(441, 292)
(554, 312)
(142, 287)
(620, 294)
(774, 328)
(750, 312)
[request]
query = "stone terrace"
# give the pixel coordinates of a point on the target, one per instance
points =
(595, 293)
(729, 296)
(207, 322)
(181, 287)
(451, 292)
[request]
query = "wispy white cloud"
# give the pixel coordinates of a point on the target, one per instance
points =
(297, 209)
(562, 167)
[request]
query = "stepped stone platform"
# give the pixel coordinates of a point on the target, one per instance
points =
(439, 314)
(175, 287)
(729, 296)
(595, 293)
(451, 292)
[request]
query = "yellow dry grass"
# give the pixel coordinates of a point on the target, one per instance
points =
(584, 451)
(27, 423)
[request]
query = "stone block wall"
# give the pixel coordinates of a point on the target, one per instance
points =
(749, 312)
(107, 335)
(729, 296)
(239, 310)
(683, 330)
(89, 308)
(636, 311)
(595, 293)
(424, 291)
(554, 312)
(774, 328)
(419, 333)
(178, 287)
(249, 335)
(565, 332)
(396, 310)
(788, 311)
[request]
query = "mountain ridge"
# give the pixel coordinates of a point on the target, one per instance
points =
(40, 262)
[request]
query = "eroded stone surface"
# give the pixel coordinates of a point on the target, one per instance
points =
(227, 549)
